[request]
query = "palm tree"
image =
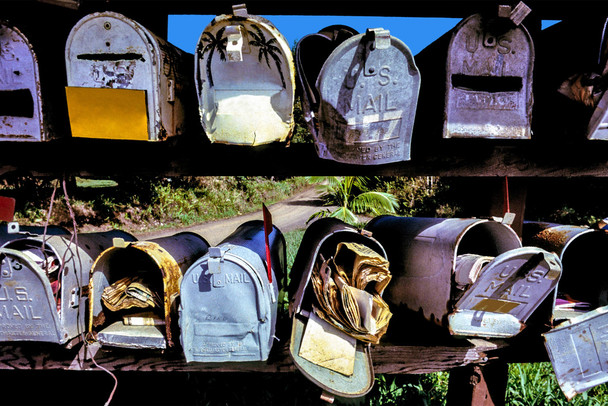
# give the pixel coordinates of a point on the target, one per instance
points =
(266, 49)
(212, 43)
(352, 196)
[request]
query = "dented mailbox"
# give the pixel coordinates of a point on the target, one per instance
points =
(134, 289)
(319, 243)
(360, 94)
(125, 82)
(24, 114)
(245, 80)
(464, 274)
(44, 284)
(229, 297)
(488, 83)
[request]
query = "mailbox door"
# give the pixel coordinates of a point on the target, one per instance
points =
(108, 50)
(242, 328)
(509, 289)
(28, 310)
(489, 80)
(245, 81)
(21, 116)
(368, 95)
(578, 350)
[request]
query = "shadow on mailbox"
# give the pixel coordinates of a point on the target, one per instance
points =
(487, 61)
(469, 275)
(125, 82)
(44, 284)
(134, 289)
(337, 280)
(360, 93)
(29, 108)
(571, 92)
(577, 346)
(245, 80)
(229, 297)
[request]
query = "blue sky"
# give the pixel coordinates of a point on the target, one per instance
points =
(416, 32)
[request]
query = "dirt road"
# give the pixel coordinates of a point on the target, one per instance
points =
(288, 215)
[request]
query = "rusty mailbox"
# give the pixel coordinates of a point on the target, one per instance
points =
(469, 275)
(27, 108)
(337, 361)
(360, 94)
(229, 297)
(44, 285)
(134, 289)
(124, 82)
(488, 64)
(245, 80)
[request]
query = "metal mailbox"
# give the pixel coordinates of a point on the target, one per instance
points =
(360, 94)
(13, 231)
(489, 68)
(124, 82)
(578, 350)
(24, 115)
(245, 80)
(464, 274)
(229, 297)
(44, 284)
(579, 249)
(134, 289)
(319, 242)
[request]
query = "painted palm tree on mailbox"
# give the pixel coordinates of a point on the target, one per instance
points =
(211, 44)
(267, 49)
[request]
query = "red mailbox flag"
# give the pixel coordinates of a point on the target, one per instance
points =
(7, 208)
(267, 231)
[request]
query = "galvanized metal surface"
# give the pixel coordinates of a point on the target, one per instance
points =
(161, 262)
(368, 91)
(109, 50)
(34, 309)
(228, 308)
(245, 81)
(21, 116)
(321, 238)
(489, 80)
(423, 251)
(578, 350)
(508, 290)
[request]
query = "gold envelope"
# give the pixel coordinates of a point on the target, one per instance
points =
(119, 114)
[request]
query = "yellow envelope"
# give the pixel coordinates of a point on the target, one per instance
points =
(119, 114)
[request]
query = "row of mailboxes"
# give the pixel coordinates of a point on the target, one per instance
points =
(469, 277)
(360, 91)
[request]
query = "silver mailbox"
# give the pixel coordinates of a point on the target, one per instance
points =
(489, 68)
(23, 112)
(464, 274)
(124, 82)
(360, 94)
(43, 285)
(134, 290)
(245, 80)
(229, 297)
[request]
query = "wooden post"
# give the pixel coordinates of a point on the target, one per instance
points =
(478, 385)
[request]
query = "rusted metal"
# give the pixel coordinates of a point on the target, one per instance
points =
(321, 239)
(44, 284)
(228, 308)
(160, 263)
(361, 108)
(245, 80)
(110, 51)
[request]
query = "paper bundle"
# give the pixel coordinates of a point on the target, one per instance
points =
(348, 289)
(129, 292)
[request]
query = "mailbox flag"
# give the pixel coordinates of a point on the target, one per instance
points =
(267, 231)
(7, 208)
